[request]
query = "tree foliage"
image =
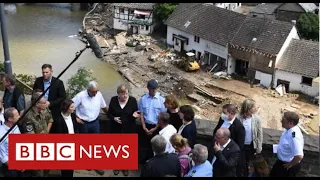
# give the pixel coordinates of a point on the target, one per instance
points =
(164, 10)
(308, 26)
(78, 82)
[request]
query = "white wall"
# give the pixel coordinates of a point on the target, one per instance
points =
(295, 83)
(229, 6)
(120, 24)
(231, 65)
(265, 79)
(142, 29)
(202, 46)
(292, 35)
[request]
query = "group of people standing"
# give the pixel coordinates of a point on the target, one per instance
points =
(169, 130)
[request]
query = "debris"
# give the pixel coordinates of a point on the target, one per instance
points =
(183, 88)
(214, 98)
(196, 108)
(153, 57)
(222, 75)
(295, 106)
(195, 97)
(279, 89)
(116, 52)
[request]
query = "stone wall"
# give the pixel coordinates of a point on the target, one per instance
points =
(310, 162)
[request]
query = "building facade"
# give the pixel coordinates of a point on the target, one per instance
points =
(136, 18)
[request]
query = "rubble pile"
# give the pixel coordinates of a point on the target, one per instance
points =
(183, 88)
(139, 39)
(164, 56)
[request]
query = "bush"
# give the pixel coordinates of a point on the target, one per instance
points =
(79, 82)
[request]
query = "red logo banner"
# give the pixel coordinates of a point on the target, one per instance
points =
(73, 151)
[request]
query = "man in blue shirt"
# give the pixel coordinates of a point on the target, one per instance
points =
(202, 167)
(11, 117)
(150, 105)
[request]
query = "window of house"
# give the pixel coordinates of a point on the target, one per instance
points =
(306, 81)
(142, 27)
(196, 39)
(121, 10)
(131, 11)
(147, 28)
(139, 16)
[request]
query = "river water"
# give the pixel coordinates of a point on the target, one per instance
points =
(39, 33)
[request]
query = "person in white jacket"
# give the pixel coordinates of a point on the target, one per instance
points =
(167, 130)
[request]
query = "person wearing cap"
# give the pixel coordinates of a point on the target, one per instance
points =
(150, 105)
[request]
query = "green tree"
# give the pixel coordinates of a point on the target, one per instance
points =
(78, 82)
(308, 26)
(164, 10)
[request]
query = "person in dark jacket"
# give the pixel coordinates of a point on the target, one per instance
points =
(66, 123)
(226, 154)
(13, 96)
(188, 129)
(162, 164)
(123, 112)
(56, 94)
(172, 105)
(229, 120)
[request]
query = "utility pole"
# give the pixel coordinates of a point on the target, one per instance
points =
(7, 62)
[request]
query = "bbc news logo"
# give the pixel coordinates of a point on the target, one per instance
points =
(74, 151)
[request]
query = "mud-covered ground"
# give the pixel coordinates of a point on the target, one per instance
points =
(139, 58)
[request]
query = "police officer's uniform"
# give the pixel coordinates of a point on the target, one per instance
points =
(151, 106)
(290, 145)
(201, 170)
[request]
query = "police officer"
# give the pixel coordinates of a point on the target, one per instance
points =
(36, 122)
(150, 105)
(290, 148)
(202, 167)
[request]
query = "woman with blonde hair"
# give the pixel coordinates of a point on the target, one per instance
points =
(180, 144)
(172, 105)
(253, 130)
(123, 112)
